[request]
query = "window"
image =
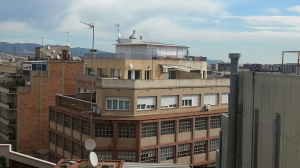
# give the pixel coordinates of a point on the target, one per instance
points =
(213, 145)
(90, 71)
(190, 100)
(184, 150)
(99, 71)
(104, 155)
(52, 158)
(185, 125)
(68, 121)
(59, 118)
(77, 124)
(172, 75)
(147, 74)
(39, 67)
(167, 127)
(225, 98)
(52, 138)
(52, 116)
(86, 127)
(104, 130)
(117, 103)
(59, 141)
(127, 131)
(149, 130)
(169, 102)
(134, 74)
(68, 145)
(213, 164)
(84, 153)
(76, 149)
(148, 156)
(167, 153)
(215, 122)
(127, 156)
(200, 124)
(211, 99)
(146, 103)
(200, 147)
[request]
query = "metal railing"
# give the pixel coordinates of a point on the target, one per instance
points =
(145, 56)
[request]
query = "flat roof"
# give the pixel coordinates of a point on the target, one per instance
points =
(152, 43)
(137, 118)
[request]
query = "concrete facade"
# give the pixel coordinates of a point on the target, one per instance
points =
(268, 124)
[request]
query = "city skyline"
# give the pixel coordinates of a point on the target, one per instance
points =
(258, 30)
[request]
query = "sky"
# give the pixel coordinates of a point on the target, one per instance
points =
(259, 30)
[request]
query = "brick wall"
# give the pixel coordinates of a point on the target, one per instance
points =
(61, 80)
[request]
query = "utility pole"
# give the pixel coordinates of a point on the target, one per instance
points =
(92, 26)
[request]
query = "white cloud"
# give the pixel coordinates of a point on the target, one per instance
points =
(294, 9)
(273, 11)
(17, 27)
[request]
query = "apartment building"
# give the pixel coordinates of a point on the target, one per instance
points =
(25, 99)
(148, 121)
(144, 59)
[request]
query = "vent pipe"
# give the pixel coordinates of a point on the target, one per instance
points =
(233, 110)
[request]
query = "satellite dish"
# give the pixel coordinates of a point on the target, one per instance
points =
(51, 57)
(70, 53)
(131, 66)
(28, 83)
(94, 159)
(68, 44)
(53, 51)
(90, 144)
(48, 47)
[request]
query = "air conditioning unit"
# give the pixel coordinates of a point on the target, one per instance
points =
(94, 109)
(207, 107)
(165, 69)
(98, 111)
(107, 165)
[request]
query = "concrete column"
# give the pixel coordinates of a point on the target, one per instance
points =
(139, 143)
(115, 141)
(233, 111)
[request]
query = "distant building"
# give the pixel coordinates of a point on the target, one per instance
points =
(214, 67)
(252, 67)
(223, 66)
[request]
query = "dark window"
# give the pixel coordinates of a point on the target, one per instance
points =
(200, 124)
(185, 125)
(59, 118)
(68, 121)
(86, 127)
(104, 130)
(167, 127)
(127, 131)
(148, 156)
(149, 130)
(200, 147)
(77, 124)
(215, 122)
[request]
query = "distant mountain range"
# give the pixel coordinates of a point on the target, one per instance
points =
(213, 61)
(28, 49)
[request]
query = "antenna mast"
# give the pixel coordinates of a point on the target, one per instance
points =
(92, 26)
(119, 35)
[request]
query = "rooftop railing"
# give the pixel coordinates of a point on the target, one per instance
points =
(146, 56)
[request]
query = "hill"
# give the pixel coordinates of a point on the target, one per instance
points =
(213, 61)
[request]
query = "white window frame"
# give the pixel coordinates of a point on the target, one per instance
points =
(169, 103)
(225, 98)
(117, 100)
(194, 100)
(209, 99)
(146, 103)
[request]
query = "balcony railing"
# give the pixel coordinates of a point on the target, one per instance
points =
(146, 56)
(8, 136)
(10, 105)
(12, 121)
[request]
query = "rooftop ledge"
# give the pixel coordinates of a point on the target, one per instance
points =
(164, 83)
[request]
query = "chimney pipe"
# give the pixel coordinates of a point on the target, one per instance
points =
(141, 37)
(233, 110)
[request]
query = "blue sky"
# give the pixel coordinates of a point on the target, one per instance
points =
(259, 30)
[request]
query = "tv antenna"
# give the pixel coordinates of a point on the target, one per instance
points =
(90, 145)
(119, 35)
(68, 37)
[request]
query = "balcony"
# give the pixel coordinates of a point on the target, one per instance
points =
(8, 105)
(8, 121)
(8, 136)
(162, 83)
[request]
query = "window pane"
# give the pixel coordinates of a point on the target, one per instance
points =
(109, 104)
(121, 105)
(115, 104)
(127, 105)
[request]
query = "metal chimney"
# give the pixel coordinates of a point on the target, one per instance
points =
(233, 110)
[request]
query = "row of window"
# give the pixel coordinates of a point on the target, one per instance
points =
(147, 156)
(149, 103)
(129, 130)
(67, 121)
